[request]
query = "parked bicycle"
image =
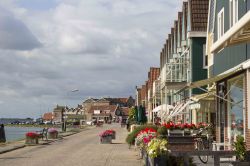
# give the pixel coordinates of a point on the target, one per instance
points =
(204, 142)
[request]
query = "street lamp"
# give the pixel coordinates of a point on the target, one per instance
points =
(64, 117)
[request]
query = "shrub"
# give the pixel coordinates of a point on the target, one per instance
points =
(131, 136)
(240, 148)
(173, 160)
(162, 132)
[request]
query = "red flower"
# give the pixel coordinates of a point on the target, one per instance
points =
(32, 135)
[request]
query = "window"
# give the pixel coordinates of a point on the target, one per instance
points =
(220, 22)
(205, 57)
(233, 12)
(235, 108)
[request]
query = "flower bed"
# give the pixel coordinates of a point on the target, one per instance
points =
(182, 129)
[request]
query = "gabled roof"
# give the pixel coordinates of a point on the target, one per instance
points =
(180, 26)
(125, 110)
(103, 100)
(198, 14)
(48, 116)
(112, 108)
(184, 19)
(90, 100)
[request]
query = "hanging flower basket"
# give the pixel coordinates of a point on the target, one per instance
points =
(31, 138)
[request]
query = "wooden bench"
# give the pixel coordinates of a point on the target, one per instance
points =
(43, 133)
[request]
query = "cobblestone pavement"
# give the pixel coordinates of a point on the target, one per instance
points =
(82, 149)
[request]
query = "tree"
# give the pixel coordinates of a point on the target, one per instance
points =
(131, 114)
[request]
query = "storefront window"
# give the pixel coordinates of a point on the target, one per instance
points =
(235, 107)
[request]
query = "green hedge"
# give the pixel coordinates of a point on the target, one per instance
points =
(131, 136)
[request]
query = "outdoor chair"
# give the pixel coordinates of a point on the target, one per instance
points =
(43, 133)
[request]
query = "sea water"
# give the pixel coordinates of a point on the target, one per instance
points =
(17, 133)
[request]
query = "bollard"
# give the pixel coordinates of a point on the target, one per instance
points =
(2, 134)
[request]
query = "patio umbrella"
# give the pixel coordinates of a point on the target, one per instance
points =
(136, 113)
(140, 114)
(144, 117)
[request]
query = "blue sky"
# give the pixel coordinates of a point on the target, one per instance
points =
(101, 47)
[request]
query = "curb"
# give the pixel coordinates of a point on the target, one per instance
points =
(45, 143)
(11, 149)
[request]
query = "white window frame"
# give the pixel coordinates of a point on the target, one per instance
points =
(205, 57)
(220, 23)
(233, 12)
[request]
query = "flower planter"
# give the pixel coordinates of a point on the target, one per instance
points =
(142, 153)
(175, 132)
(106, 140)
(113, 135)
(53, 135)
(157, 161)
(240, 163)
(31, 141)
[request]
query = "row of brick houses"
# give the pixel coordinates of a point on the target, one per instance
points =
(144, 94)
(204, 70)
(91, 108)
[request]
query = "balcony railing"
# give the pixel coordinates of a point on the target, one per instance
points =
(177, 69)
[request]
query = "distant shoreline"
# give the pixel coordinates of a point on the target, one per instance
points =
(32, 125)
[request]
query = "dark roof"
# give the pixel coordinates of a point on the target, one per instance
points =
(199, 14)
(184, 16)
(112, 108)
(125, 110)
(90, 100)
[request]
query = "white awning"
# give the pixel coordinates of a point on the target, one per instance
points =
(214, 79)
(165, 109)
(181, 108)
(157, 109)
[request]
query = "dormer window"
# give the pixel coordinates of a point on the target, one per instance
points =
(220, 21)
(233, 12)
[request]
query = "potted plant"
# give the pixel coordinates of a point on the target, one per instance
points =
(143, 138)
(31, 138)
(162, 132)
(240, 151)
(157, 152)
(106, 137)
(53, 133)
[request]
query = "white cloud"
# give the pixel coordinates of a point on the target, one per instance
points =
(101, 47)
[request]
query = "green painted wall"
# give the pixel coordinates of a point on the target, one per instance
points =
(230, 57)
(198, 72)
(242, 9)
(233, 55)
(248, 51)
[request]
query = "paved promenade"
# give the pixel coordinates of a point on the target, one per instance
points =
(82, 149)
